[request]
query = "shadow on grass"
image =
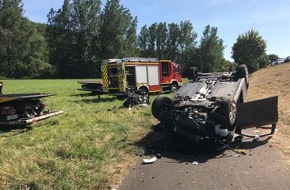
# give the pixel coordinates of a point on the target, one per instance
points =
(85, 95)
(180, 150)
(15, 130)
(95, 100)
(101, 96)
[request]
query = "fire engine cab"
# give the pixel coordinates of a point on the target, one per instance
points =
(149, 75)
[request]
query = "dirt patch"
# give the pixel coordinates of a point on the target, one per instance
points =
(275, 81)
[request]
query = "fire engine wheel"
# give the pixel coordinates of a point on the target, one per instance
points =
(143, 90)
(174, 87)
(159, 104)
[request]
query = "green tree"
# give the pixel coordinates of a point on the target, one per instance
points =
(171, 41)
(117, 30)
(190, 59)
(250, 49)
(210, 50)
(187, 36)
(130, 48)
(13, 36)
(263, 60)
(227, 65)
(86, 26)
(161, 37)
(36, 57)
(152, 40)
(172, 50)
(60, 39)
(186, 43)
(273, 57)
(23, 46)
(73, 36)
(143, 41)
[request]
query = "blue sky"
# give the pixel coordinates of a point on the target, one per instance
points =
(271, 18)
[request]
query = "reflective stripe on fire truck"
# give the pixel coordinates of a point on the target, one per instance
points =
(105, 77)
(121, 77)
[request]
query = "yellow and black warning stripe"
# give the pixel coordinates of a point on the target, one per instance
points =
(105, 77)
(121, 77)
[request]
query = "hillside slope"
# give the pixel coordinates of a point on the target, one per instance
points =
(274, 81)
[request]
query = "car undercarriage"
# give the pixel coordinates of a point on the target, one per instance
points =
(211, 108)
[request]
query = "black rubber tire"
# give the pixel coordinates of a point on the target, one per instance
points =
(158, 105)
(143, 89)
(229, 110)
(242, 72)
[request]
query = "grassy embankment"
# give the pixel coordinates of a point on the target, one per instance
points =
(84, 148)
(275, 81)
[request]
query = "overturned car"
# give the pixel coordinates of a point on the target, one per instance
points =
(211, 108)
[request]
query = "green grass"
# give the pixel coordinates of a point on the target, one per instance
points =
(80, 149)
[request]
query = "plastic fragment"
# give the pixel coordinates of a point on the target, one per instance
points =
(195, 163)
(149, 160)
(237, 155)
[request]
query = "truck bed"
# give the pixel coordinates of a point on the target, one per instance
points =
(11, 97)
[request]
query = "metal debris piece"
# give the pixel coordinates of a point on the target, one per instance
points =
(240, 151)
(136, 98)
(257, 136)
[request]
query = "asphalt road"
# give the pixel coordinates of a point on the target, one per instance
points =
(260, 167)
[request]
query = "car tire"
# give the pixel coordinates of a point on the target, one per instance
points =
(228, 109)
(242, 72)
(159, 104)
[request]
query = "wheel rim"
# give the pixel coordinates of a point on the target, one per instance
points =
(173, 88)
(232, 113)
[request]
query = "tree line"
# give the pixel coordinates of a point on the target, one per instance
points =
(79, 35)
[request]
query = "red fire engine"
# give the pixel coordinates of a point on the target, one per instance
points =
(119, 76)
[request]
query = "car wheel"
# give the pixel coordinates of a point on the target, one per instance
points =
(159, 104)
(242, 72)
(232, 113)
(228, 109)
